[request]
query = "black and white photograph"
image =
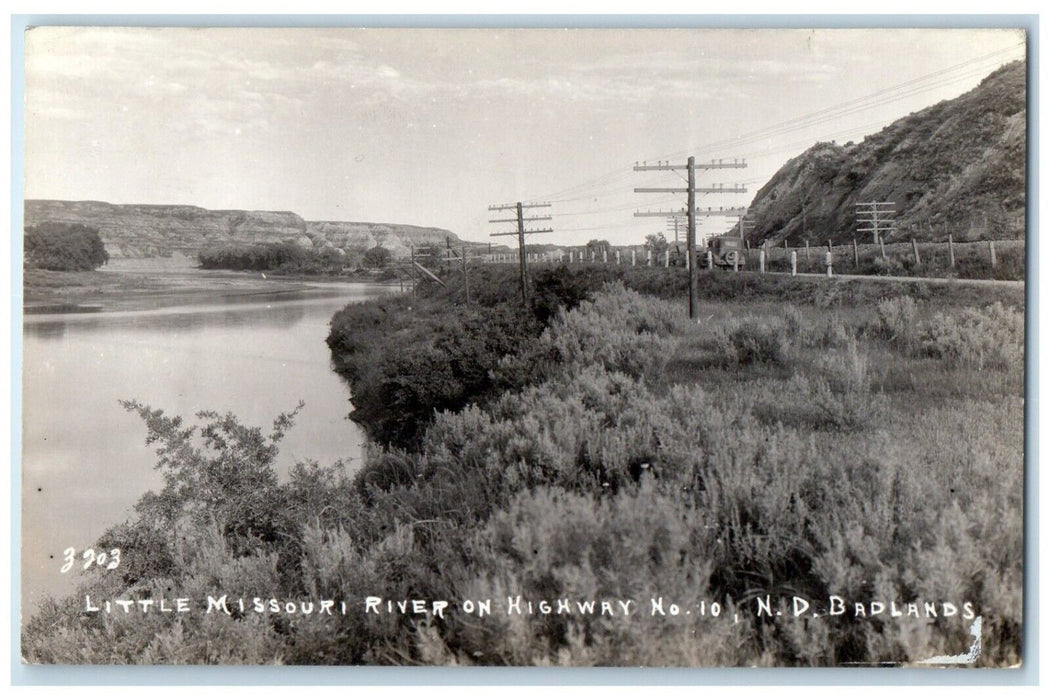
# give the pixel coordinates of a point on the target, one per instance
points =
(681, 346)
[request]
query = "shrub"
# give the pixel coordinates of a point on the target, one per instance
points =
(220, 473)
(619, 330)
(843, 393)
(57, 246)
(977, 338)
(277, 257)
(756, 342)
(429, 358)
(887, 266)
(551, 544)
(590, 429)
(557, 288)
(898, 321)
(377, 257)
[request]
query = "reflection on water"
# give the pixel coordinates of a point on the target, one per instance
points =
(85, 462)
(277, 315)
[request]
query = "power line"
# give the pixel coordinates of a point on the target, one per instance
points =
(607, 184)
(613, 209)
(842, 109)
(712, 148)
(598, 195)
(608, 227)
(808, 119)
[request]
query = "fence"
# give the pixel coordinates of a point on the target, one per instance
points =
(970, 259)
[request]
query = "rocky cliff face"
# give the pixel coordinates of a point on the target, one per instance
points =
(397, 238)
(144, 230)
(957, 167)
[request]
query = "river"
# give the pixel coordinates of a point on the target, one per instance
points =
(85, 462)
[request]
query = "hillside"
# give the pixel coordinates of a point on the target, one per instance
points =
(957, 167)
(146, 230)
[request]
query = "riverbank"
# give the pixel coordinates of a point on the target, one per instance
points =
(147, 284)
(84, 462)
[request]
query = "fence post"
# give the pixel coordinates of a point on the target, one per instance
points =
(856, 254)
(667, 258)
(915, 250)
(951, 251)
(762, 260)
(648, 257)
(617, 257)
(991, 251)
(605, 255)
(633, 257)
(794, 263)
(828, 259)
(710, 260)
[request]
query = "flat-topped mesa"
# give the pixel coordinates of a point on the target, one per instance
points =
(157, 230)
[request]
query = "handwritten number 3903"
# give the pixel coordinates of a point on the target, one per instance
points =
(91, 558)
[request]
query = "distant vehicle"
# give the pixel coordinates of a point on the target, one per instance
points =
(726, 251)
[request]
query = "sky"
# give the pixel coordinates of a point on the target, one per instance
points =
(432, 126)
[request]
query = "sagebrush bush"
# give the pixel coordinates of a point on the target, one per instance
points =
(898, 321)
(843, 392)
(978, 338)
(892, 267)
(620, 330)
(759, 341)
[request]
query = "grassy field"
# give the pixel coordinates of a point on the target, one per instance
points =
(858, 447)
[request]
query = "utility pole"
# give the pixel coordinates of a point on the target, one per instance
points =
(466, 276)
(691, 210)
(744, 222)
(520, 220)
(672, 225)
(690, 236)
(875, 218)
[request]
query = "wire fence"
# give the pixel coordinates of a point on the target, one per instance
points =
(1003, 259)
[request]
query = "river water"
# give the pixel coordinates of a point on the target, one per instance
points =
(85, 462)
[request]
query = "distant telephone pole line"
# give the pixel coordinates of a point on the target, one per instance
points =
(875, 218)
(691, 211)
(520, 220)
(673, 223)
(744, 223)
